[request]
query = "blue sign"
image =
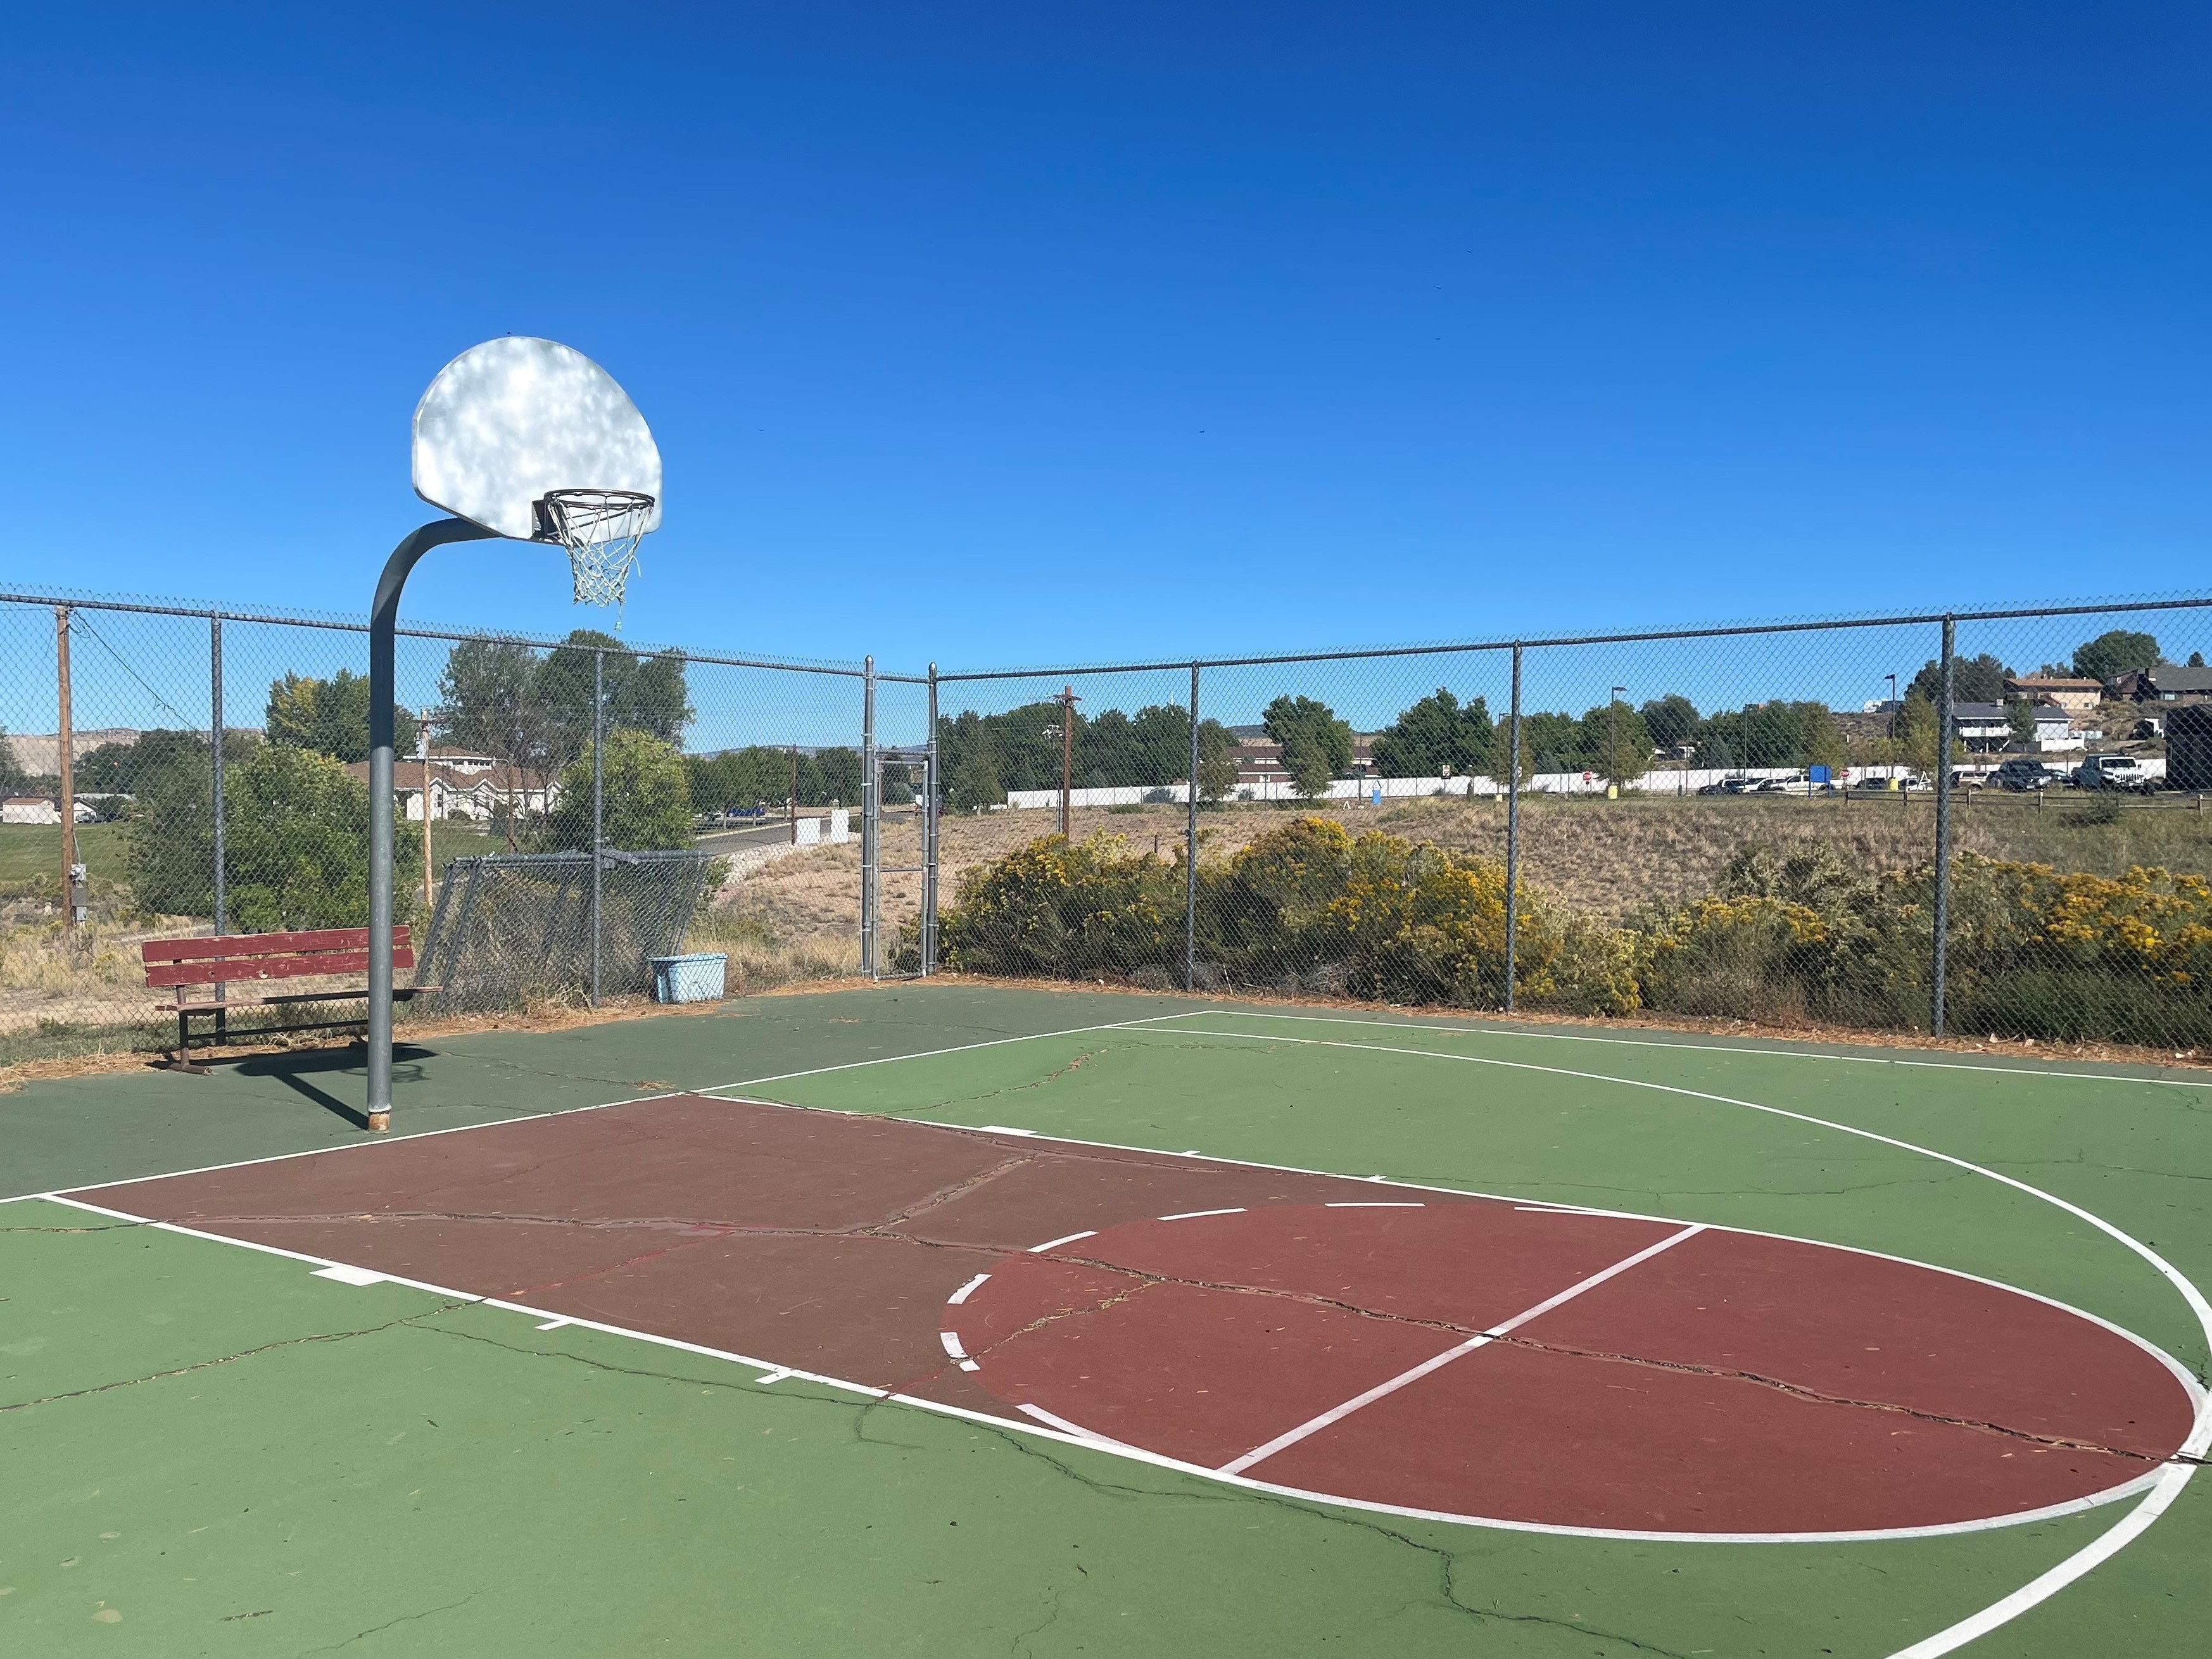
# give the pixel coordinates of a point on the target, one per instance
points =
(1817, 773)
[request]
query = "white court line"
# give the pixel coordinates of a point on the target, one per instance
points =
(355, 1276)
(987, 1128)
(1075, 1429)
(2166, 1484)
(1375, 1204)
(598, 1106)
(966, 1291)
(553, 1324)
(1338, 1414)
(1052, 1243)
(1158, 1460)
(932, 1053)
(953, 1349)
(1692, 1048)
(2161, 1487)
(1193, 1215)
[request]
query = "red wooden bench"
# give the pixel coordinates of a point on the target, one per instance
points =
(234, 959)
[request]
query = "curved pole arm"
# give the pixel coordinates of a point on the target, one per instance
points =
(383, 627)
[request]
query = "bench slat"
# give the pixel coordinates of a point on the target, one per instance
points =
(236, 970)
(264, 945)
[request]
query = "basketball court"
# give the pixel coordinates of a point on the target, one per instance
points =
(947, 1318)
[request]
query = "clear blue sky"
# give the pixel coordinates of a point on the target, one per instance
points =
(1005, 334)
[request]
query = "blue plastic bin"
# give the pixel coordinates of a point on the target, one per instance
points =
(694, 978)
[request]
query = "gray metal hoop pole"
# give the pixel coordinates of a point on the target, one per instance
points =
(1513, 837)
(599, 803)
(383, 678)
(1190, 852)
(1943, 722)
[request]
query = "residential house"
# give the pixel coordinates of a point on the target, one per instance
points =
(2166, 684)
(478, 787)
(1983, 728)
(29, 808)
(2076, 696)
(2055, 731)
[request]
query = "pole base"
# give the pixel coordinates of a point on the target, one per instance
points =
(380, 1122)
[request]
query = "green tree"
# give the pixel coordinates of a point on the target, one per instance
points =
(1671, 721)
(642, 694)
(1307, 761)
(2020, 717)
(646, 798)
(1329, 740)
(1914, 728)
(1435, 733)
(295, 833)
(1615, 742)
(1217, 769)
(2113, 653)
(330, 717)
(830, 776)
(1501, 753)
(1974, 679)
(975, 781)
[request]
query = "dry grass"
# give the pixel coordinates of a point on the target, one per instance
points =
(1606, 858)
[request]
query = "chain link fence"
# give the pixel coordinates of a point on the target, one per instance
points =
(723, 798)
(1735, 824)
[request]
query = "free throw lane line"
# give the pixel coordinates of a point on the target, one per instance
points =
(1338, 1414)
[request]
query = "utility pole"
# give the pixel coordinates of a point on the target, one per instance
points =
(423, 749)
(71, 874)
(1066, 699)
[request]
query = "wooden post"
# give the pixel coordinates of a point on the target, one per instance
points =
(794, 794)
(422, 748)
(66, 747)
(1066, 699)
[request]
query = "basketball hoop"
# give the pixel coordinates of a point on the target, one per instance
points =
(601, 529)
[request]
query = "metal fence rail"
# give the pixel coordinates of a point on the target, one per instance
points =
(1809, 824)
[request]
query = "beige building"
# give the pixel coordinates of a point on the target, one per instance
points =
(2076, 696)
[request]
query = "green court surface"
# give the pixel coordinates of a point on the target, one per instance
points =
(211, 1450)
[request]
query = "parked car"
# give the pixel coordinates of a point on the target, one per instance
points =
(1874, 785)
(2114, 772)
(2023, 775)
(1729, 786)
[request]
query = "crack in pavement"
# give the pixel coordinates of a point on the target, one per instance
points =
(403, 1619)
(228, 1358)
(1018, 1439)
(1515, 1340)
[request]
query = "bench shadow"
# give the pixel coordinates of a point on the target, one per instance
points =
(298, 1072)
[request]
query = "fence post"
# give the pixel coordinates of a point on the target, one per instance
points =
(1943, 723)
(935, 787)
(868, 917)
(65, 764)
(1190, 852)
(599, 801)
(216, 718)
(1513, 835)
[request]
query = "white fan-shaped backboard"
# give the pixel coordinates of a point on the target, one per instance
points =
(509, 420)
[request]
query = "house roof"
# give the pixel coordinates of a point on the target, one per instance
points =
(2167, 677)
(2053, 682)
(1978, 713)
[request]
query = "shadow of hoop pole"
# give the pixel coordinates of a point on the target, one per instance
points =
(383, 625)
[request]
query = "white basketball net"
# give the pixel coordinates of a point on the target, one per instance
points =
(601, 529)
